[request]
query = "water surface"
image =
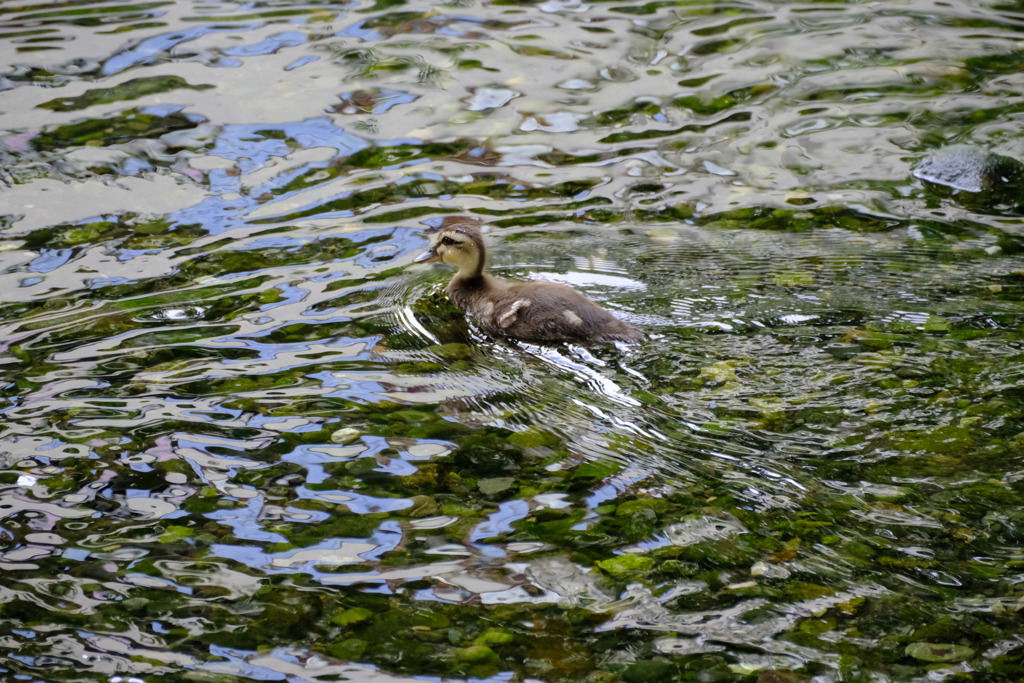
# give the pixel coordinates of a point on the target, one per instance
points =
(245, 438)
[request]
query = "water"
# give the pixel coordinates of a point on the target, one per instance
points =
(244, 438)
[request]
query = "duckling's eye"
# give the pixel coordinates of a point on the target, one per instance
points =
(447, 241)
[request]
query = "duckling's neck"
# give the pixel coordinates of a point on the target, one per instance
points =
(469, 272)
(470, 285)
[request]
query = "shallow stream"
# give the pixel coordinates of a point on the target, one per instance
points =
(244, 437)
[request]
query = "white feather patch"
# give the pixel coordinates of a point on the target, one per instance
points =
(509, 316)
(572, 317)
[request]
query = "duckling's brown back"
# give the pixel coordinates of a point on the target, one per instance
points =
(546, 311)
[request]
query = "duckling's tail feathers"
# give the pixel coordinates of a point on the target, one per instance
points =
(620, 332)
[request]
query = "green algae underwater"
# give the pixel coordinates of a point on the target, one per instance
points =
(245, 438)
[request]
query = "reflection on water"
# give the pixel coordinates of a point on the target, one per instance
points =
(245, 438)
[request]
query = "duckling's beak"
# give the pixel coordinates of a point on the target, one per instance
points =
(428, 256)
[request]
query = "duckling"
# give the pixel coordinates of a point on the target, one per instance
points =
(531, 311)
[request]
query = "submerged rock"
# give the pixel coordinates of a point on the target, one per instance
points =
(939, 652)
(345, 435)
(973, 173)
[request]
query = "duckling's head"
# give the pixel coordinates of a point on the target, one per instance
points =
(461, 245)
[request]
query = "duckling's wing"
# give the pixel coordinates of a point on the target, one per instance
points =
(552, 312)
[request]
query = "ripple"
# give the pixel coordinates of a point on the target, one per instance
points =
(237, 417)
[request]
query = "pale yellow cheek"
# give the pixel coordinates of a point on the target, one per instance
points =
(460, 259)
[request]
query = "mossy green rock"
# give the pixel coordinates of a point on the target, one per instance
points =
(452, 351)
(477, 655)
(494, 636)
(430, 619)
(648, 670)
(348, 649)
(939, 652)
(631, 507)
(423, 506)
(176, 533)
(495, 485)
(344, 436)
(352, 616)
(532, 438)
(627, 566)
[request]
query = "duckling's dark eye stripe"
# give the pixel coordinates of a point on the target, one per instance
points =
(447, 241)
